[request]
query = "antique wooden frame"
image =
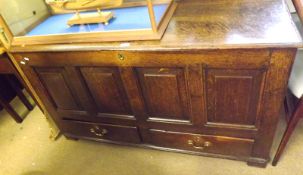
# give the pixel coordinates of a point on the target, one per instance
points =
(155, 33)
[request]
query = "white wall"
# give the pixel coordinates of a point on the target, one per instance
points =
(19, 13)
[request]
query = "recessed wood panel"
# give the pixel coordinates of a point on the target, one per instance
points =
(164, 91)
(233, 95)
(58, 88)
(106, 88)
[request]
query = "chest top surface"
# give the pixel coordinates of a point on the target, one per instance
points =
(209, 24)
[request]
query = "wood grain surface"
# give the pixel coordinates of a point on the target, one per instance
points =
(214, 84)
(210, 24)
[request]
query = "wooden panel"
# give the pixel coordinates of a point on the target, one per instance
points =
(6, 66)
(233, 96)
(201, 143)
(274, 94)
(55, 81)
(107, 89)
(102, 131)
(165, 93)
(226, 58)
(207, 76)
(196, 91)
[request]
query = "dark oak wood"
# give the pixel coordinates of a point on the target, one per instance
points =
(274, 93)
(20, 94)
(6, 66)
(216, 76)
(103, 131)
(107, 90)
(210, 24)
(55, 80)
(7, 69)
(203, 97)
(290, 103)
(149, 146)
(5, 104)
(165, 94)
(294, 119)
(202, 143)
(233, 96)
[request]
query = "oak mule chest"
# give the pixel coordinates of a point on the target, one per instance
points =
(213, 85)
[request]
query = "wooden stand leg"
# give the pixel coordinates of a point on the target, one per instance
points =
(28, 90)
(257, 163)
(290, 104)
(20, 93)
(10, 110)
(71, 138)
(297, 114)
(286, 109)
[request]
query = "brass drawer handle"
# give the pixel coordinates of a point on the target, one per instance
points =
(163, 70)
(205, 144)
(99, 132)
(121, 57)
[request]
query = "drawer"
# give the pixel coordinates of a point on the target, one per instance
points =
(103, 131)
(202, 143)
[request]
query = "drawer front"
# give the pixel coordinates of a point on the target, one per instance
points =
(103, 131)
(202, 143)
